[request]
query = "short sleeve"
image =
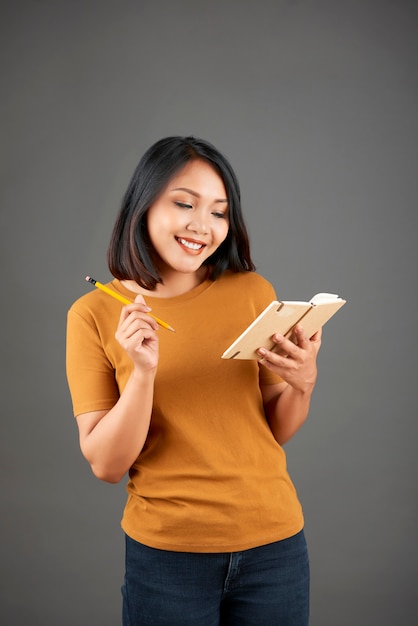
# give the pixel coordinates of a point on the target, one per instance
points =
(267, 377)
(90, 375)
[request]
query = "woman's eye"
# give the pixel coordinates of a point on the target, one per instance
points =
(219, 214)
(183, 205)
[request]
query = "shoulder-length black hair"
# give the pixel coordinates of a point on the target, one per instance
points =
(131, 255)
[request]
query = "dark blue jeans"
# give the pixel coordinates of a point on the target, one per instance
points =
(265, 586)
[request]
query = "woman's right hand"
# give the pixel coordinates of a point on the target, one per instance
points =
(137, 334)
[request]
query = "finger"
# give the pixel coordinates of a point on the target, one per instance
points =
(139, 299)
(284, 347)
(137, 338)
(302, 339)
(316, 340)
(272, 359)
(317, 336)
(142, 336)
(130, 308)
(137, 322)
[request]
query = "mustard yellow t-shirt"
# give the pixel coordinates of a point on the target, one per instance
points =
(211, 477)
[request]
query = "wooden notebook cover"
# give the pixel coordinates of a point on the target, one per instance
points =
(280, 317)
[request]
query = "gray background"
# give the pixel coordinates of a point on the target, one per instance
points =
(315, 104)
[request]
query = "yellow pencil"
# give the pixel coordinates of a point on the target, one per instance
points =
(116, 295)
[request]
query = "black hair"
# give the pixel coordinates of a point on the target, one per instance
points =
(131, 254)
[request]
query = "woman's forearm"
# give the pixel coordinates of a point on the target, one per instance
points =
(287, 412)
(117, 439)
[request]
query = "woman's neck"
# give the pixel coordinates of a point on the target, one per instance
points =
(175, 284)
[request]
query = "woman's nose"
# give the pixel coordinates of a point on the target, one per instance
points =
(197, 226)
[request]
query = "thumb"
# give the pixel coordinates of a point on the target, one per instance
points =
(139, 299)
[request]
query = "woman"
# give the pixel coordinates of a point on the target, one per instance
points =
(213, 525)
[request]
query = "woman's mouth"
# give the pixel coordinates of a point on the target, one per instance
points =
(190, 244)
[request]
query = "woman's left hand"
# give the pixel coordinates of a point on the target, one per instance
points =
(294, 362)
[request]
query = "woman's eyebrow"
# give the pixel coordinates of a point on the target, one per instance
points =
(196, 194)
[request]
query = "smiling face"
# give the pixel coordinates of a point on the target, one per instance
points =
(189, 220)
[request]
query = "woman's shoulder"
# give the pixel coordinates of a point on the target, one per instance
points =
(243, 295)
(246, 289)
(86, 302)
(95, 305)
(246, 280)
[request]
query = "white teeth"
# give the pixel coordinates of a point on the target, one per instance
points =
(189, 244)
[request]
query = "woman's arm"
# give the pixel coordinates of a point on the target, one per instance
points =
(287, 404)
(112, 440)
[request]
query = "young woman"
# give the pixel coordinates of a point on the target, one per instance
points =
(213, 525)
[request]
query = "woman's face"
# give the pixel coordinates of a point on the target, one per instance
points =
(190, 219)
